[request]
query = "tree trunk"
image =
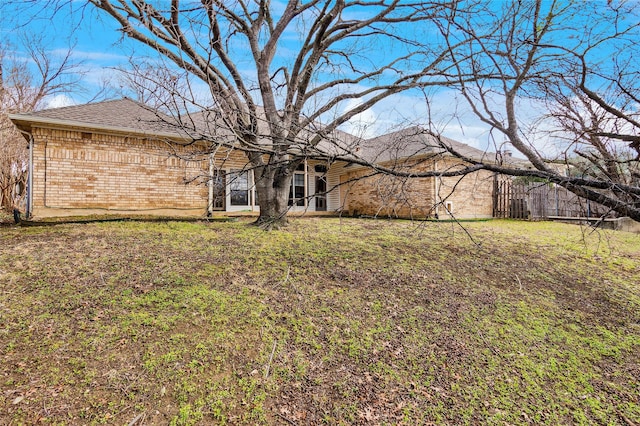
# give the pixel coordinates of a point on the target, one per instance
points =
(6, 198)
(272, 187)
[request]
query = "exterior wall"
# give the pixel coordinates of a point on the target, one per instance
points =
(470, 196)
(388, 196)
(334, 197)
(81, 173)
(76, 172)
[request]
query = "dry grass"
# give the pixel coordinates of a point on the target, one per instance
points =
(329, 321)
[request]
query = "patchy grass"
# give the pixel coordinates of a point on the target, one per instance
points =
(5, 218)
(327, 322)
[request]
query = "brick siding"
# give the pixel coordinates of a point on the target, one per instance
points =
(83, 170)
(470, 196)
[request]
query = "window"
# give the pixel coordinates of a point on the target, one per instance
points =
(296, 192)
(239, 188)
(321, 187)
(297, 189)
(218, 183)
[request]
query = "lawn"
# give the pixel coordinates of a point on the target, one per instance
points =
(327, 322)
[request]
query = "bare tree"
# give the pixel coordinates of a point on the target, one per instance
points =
(154, 84)
(13, 159)
(281, 77)
(25, 84)
(600, 125)
(577, 63)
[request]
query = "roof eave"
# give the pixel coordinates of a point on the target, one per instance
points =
(26, 123)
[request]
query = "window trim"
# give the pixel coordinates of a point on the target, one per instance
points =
(250, 189)
(293, 200)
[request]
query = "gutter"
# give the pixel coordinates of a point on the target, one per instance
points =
(29, 121)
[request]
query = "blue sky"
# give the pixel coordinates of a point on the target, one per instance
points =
(95, 43)
(99, 48)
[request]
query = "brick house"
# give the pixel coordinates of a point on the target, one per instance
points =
(119, 157)
(413, 150)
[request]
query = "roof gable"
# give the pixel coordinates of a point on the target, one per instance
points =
(415, 141)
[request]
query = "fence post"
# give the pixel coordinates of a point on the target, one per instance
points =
(495, 195)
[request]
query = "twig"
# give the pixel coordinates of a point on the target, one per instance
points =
(136, 419)
(291, 422)
(287, 277)
(627, 420)
(519, 282)
(487, 343)
(268, 366)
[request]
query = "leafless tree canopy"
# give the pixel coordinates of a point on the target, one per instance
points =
(577, 63)
(23, 90)
(272, 71)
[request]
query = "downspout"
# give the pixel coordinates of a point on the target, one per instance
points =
(44, 184)
(435, 187)
(30, 175)
(30, 179)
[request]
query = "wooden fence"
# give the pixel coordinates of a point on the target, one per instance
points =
(540, 201)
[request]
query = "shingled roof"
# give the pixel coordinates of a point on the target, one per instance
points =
(128, 116)
(123, 115)
(412, 142)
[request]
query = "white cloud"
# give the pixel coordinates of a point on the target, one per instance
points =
(58, 101)
(444, 114)
(93, 56)
(364, 125)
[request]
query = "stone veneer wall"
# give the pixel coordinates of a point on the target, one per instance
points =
(82, 170)
(382, 196)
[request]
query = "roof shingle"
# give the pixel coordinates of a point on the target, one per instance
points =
(122, 113)
(128, 115)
